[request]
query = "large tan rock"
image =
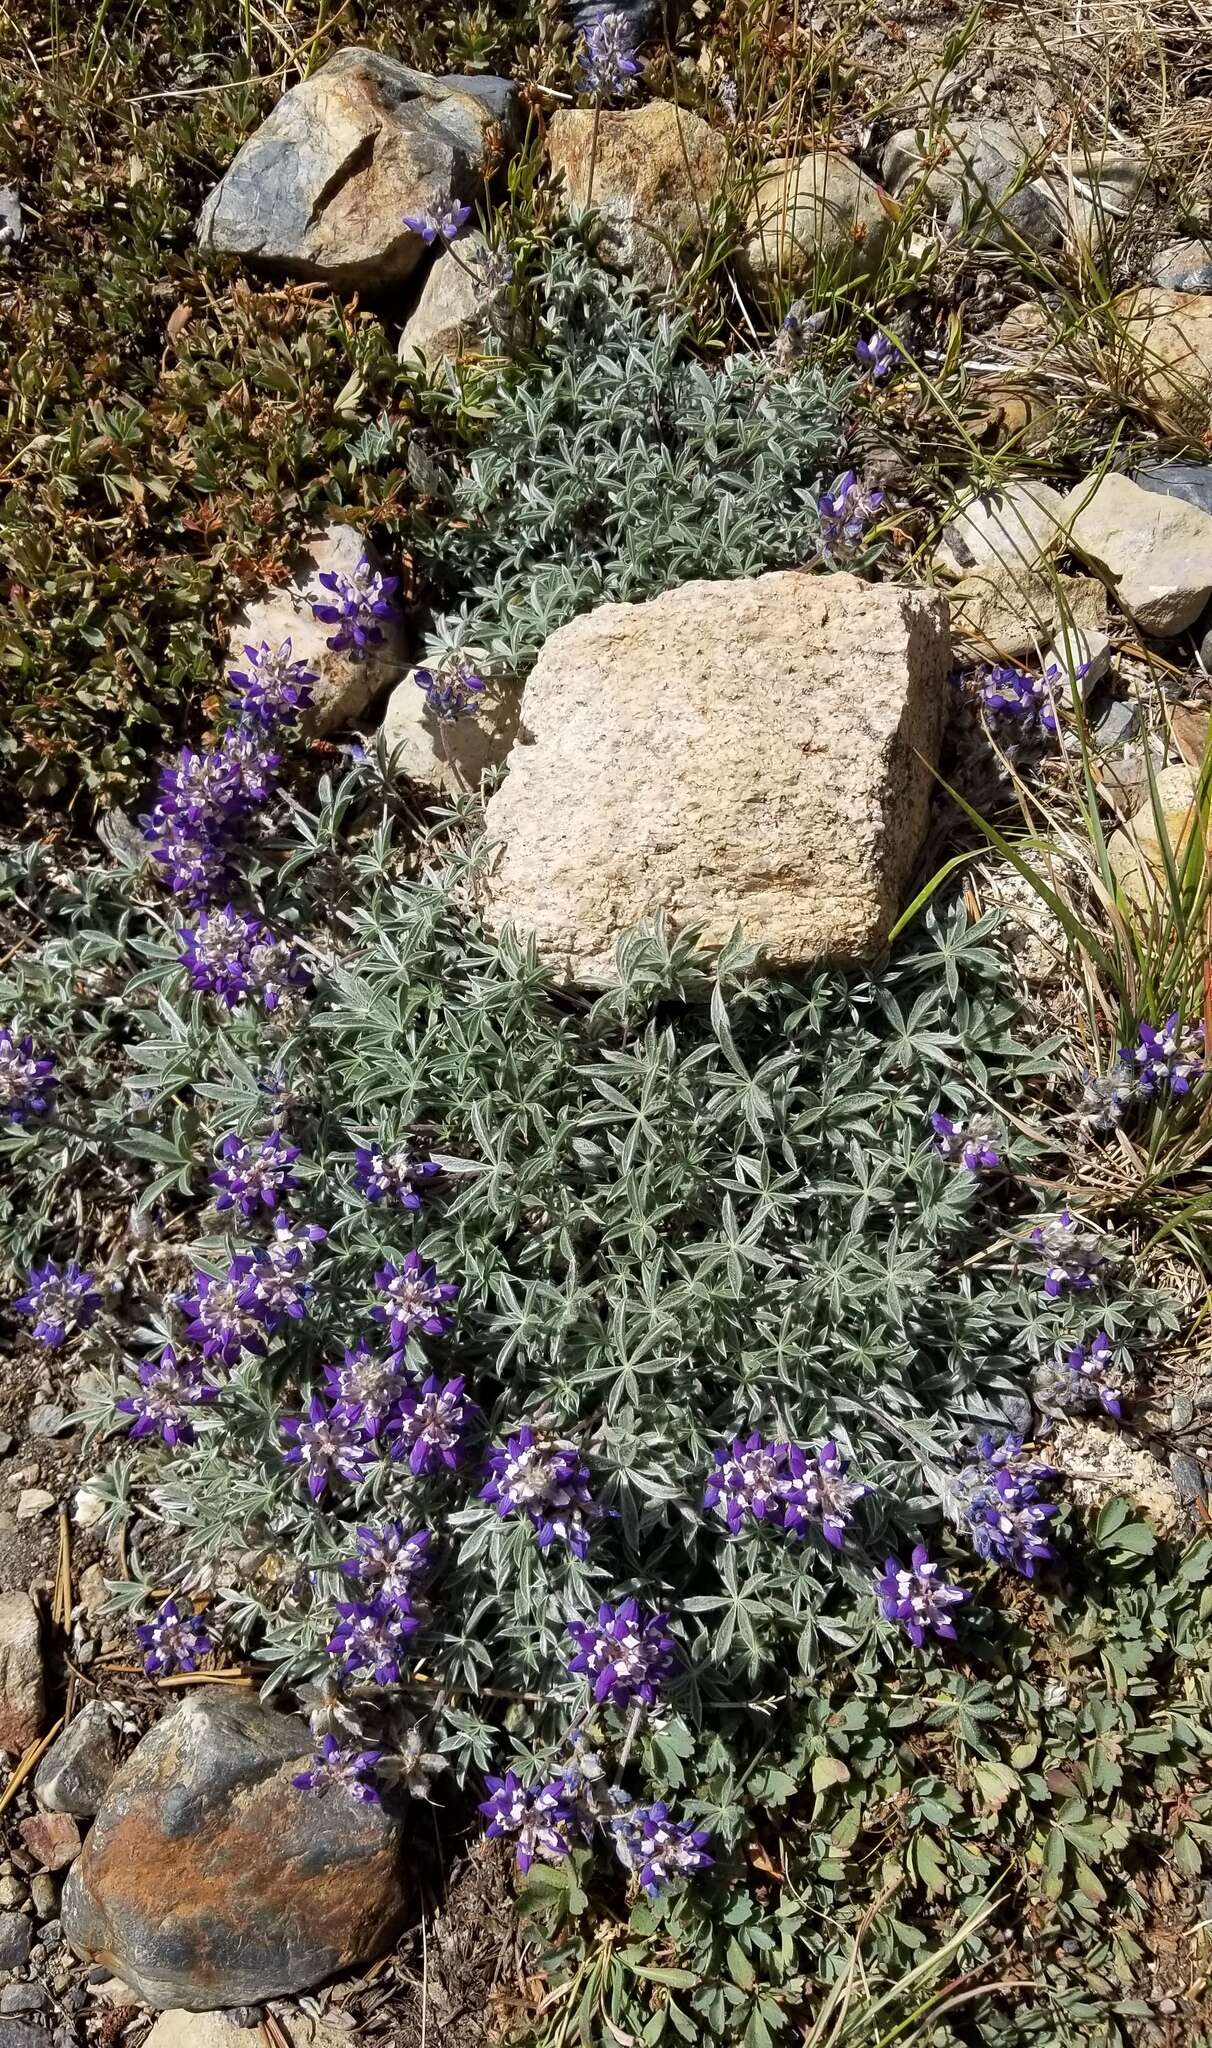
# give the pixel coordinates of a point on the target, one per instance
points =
(22, 1684)
(1013, 527)
(321, 189)
(813, 216)
(1154, 552)
(1168, 347)
(344, 686)
(753, 752)
(1142, 852)
(1013, 612)
(653, 173)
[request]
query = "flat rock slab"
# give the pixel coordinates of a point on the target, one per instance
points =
(752, 753)
(321, 189)
(22, 1688)
(1154, 552)
(209, 1880)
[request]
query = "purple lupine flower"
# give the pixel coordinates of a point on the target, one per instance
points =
(846, 510)
(274, 1280)
(237, 958)
(392, 1173)
(390, 1560)
(220, 1317)
(274, 688)
(414, 1300)
(608, 54)
(169, 1387)
(372, 1635)
(548, 1483)
(365, 1387)
(918, 1597)
(62, 1301)
(175, 1639)
(27, 1083)
(626, 1655)
(438, 227)
(816, 1490)
(345, 1765)
(205, 801)
(450, 691)
(433, 1421)
(1073, 1256)
(657, 1848)
(254, 1176)
(362, 601)
(325, 1445)
(541, 1819)
(1013, 698)
(255, 764)
(1166, 1056)
(1094, 1366)
(1005, 1512)
(880, 355)
(746, 1482)
(972, 1145)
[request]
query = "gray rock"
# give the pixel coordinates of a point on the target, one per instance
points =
(645, 18)
(1187, 1476)
(23, 1998)
(1013, 527)
(995, 202)
(452, 311)
(44, 1891)
(47, 1421)
(1080, 655)
(16, 1937)
(1204, 633)
(75, 1773)
(1190, 481)
(12, 224)
(813, 216)
(322, 188)
(1185, 266)
(208, 1880)
(15, 2034)
(1113, 720)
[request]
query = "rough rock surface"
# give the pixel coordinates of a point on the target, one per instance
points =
(1185, 266)
(1155, 553)
(1101, 1464)
(76, 1770)
(813, 214)
(1015, 611)
(1136, 852)
(321, 188)
(1013, 527)
(451, 313)
(752, 752)
(208, 1880)
(1172, 333)
(657, 172)
(22, 1686)
(345, 687)
(1191, 481)
(450, 755)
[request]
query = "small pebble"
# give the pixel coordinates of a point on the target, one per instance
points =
(1182, 1412)
(1187, 1476)
(7, 1443)
(12, 1892)
(44, 1891)
(33, 1502)
(47, 1421)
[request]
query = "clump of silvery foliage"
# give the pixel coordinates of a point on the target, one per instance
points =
(474, 1355)
(618, 465)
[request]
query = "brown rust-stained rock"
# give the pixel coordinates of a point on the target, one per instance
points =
(653, 173)
(1168, 347)
(209, 1880)
(753, 752)
(22, 1688)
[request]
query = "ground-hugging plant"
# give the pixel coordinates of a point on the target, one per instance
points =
(617, 466)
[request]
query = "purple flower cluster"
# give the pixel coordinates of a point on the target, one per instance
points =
(238, 959)
(1094, 1367)
(846, 510)
(170, 1387)
(254, 1176)
(366, 1387)
(548, 1483)
(784, 1484)
(393, 1173)
(1073, 1256)
(626, 1655)
(451, 692)
(433, 1423)
(391, 1560)
(918, 1596)
(434, 227)
(238, 1310)
(371, 1638)
(27, 1083)
(972, 1145)
(326, 1444)
(1008, 1517)
(880, 355)
(175, 1639)
(62, 1301)
(342, 1764)
(414, 1300)
(1027, 703)
(360, 601)
(608, 54)
(542, 1820)
(1168, 1056)
(274, 689)
(658, 1848)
